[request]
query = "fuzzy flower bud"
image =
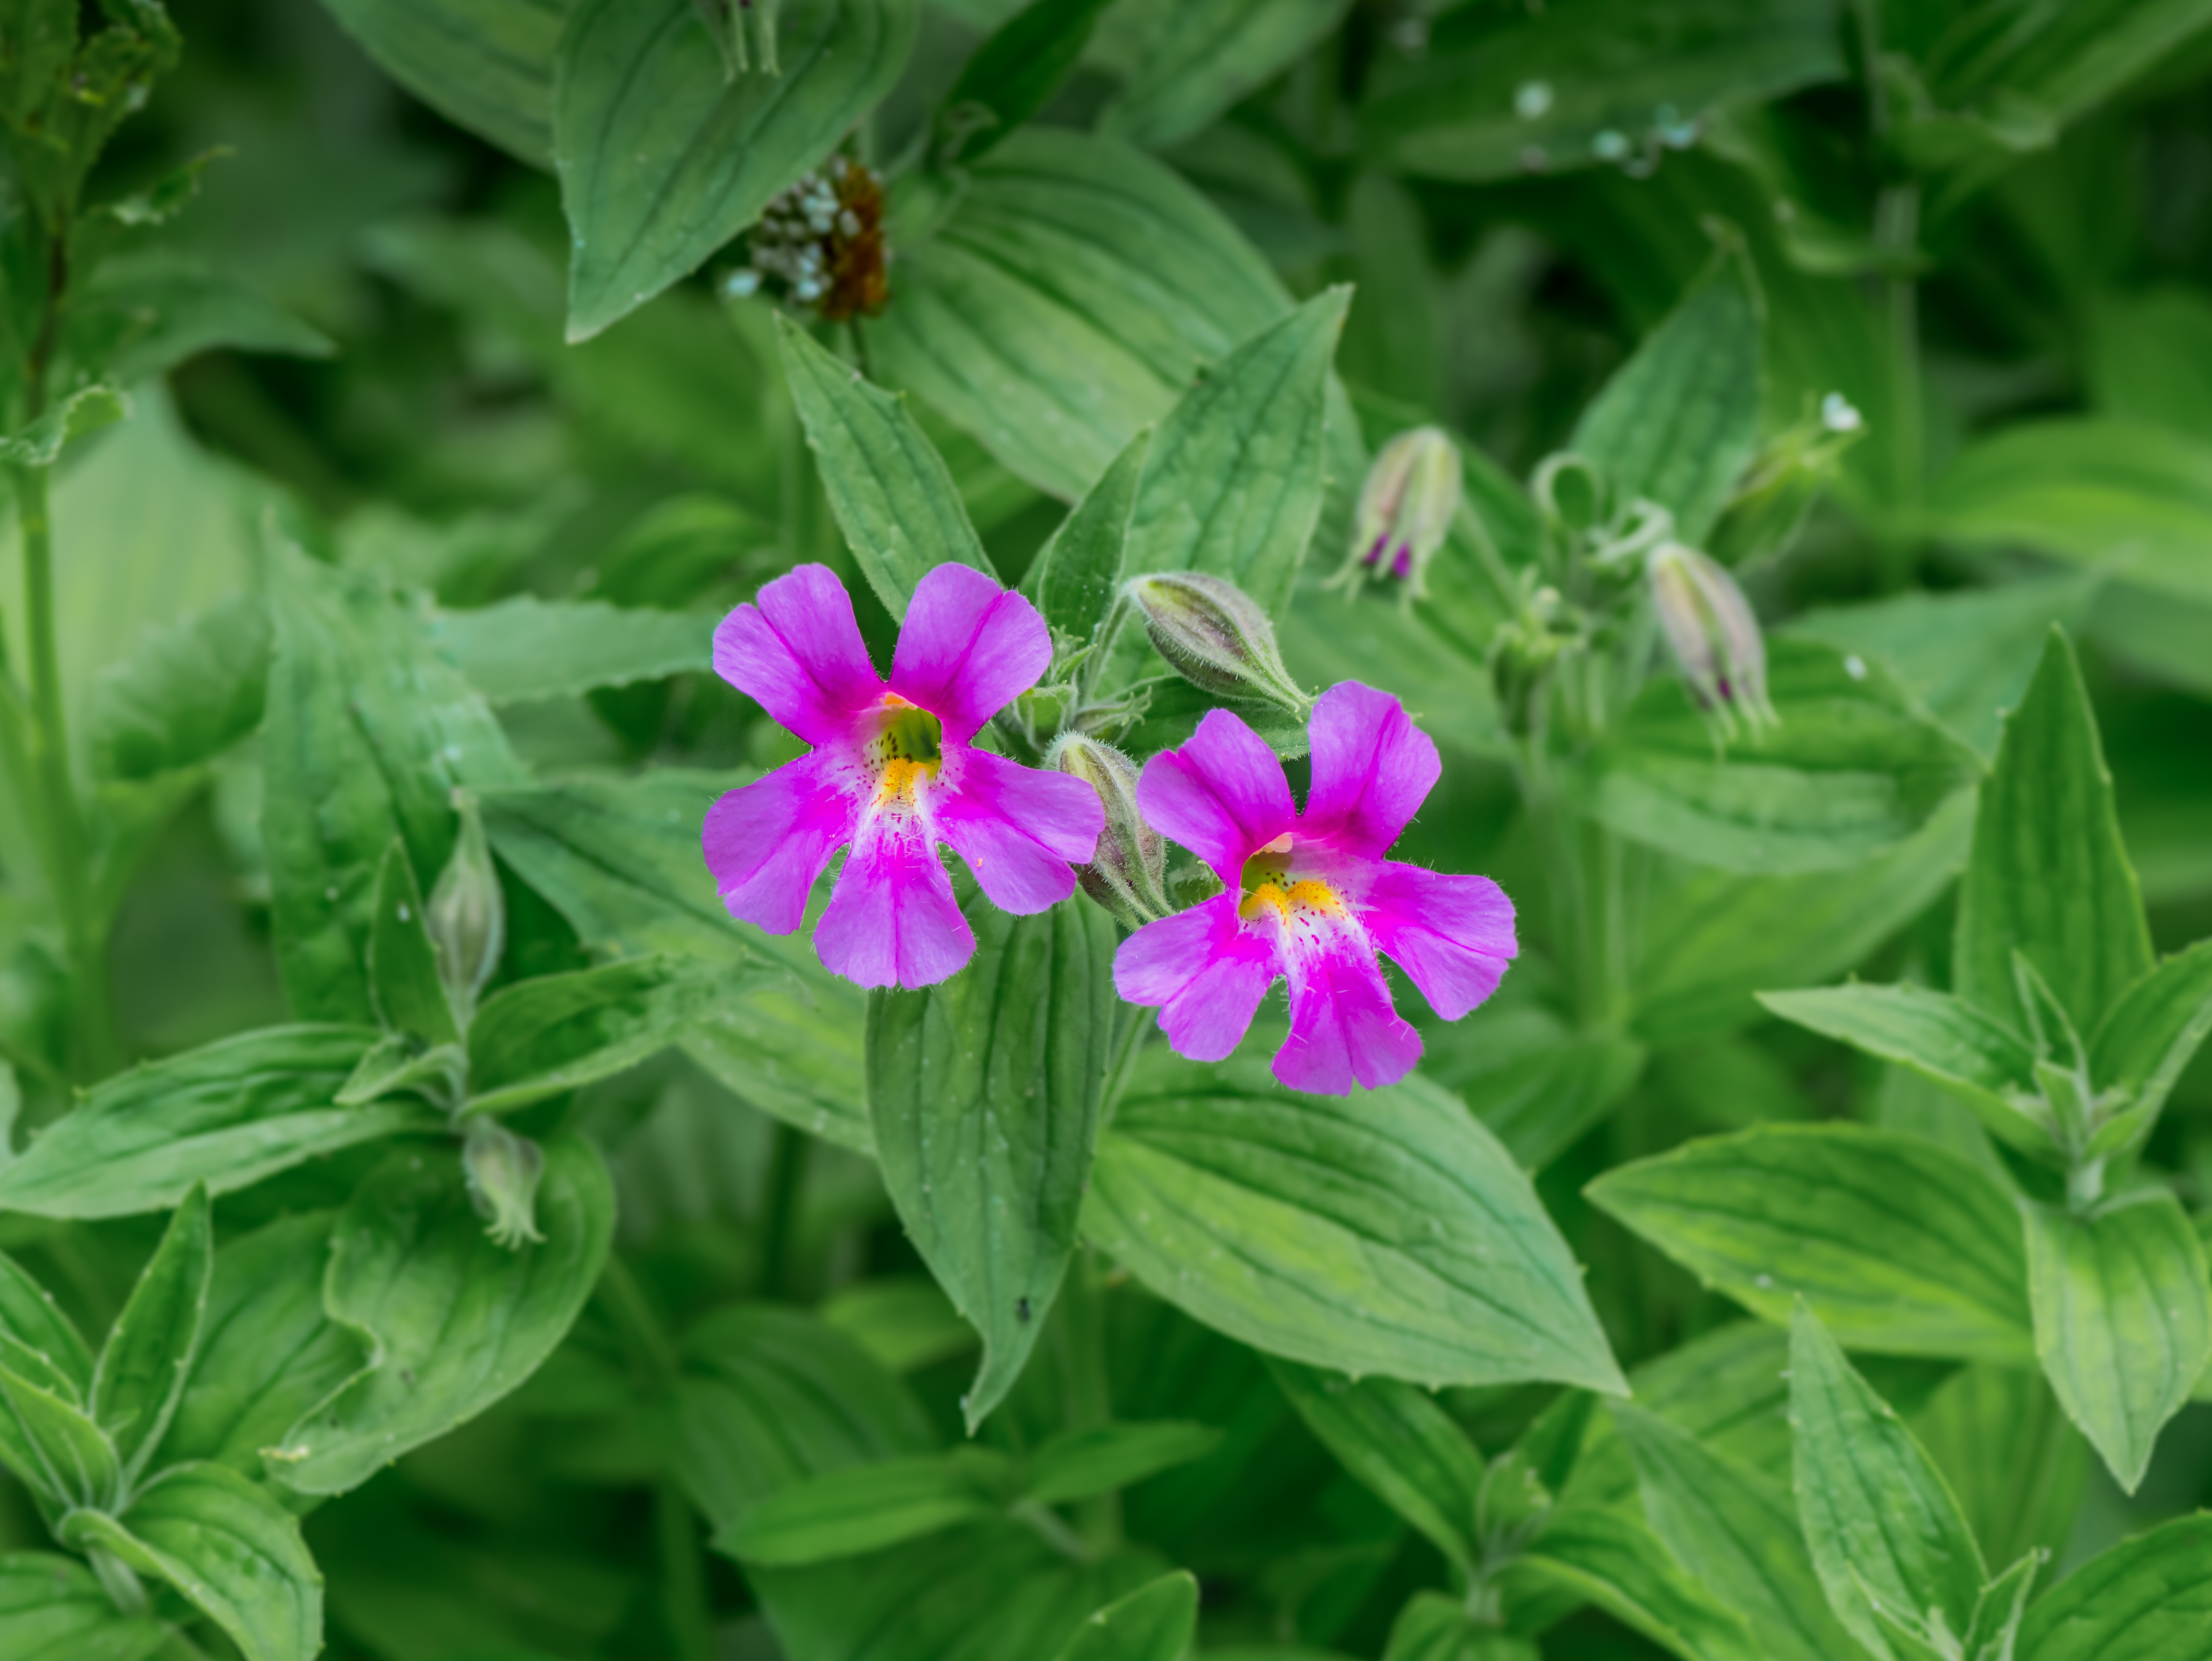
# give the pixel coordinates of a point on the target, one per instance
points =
(1713, 632)
(1128, 873)
(503, 1170)
(467, 914)
(1213, 636)
(1406, 509)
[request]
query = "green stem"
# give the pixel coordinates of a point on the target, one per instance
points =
(682, 1581)
(1090, 1401)
(786, 1185)
(628, 1307)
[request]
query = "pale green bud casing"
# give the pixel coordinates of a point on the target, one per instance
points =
(1406, 510)
(467, 914)
(1128, 875)
(1713, 632)
(1214, 635)
(503, 1170)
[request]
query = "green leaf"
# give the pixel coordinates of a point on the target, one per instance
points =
(1899, 1246)
(1189, 60)
(2010, 1455)
(1735, 1530)
(1500, 93)
(2146, 1598)
(52, 1608)
(30, 1317)
(1075, 291)
(369, 731)
(1011, 74)
(228, 1114)
(267, 1352)
(143, 314)
(2049, 876)
(523, 647)
(2121, 496)
(771, 1396)
(150, 1350)
(1399, 1442)
(85, 410)
(485, 65)
(1885, 1533)
(1613, 1560)
(184, 695)
(1232, 485)
(1390, 1234)
(2150, 1034)
(861, 1509)
(894, 499)
(1073, 578)
(2150, 357)
(984, 1095)
(411, 1264)
(2123, 1319)
(1997, 1611)
(1434, 1627)
(1678, 422)
(229, 1547)
(1156, 1622)
(664, 156)
(1079, 1463)
(61, 1453)
(1853, 769)
(539, 1037)
(1537, 1082)
(1940, 1037)
(402, 965)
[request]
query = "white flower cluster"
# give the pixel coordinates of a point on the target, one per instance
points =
(791, 241)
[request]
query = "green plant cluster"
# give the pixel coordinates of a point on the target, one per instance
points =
(432, 1229)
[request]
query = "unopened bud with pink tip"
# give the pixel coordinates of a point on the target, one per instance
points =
(1406, 510)
(1128, 875)
(1714, 635)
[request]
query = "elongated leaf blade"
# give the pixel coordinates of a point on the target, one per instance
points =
(1074, 574)
(1613, 1560)
(1079, 1463)
(403, 965)
(486, 64)
(63, 1454)
(524, 647)
(2155, 1028)
(53, 1608)
(185, 694)
(2123, 1319)
(1434, 1627)
(1899, 1246)
(151, 1349)
(861, 1509)
(2147, 1597)
(984, 1094)
(1202, 56)
(1156, 1622)
(1387, 1235)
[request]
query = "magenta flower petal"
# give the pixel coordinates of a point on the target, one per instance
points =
(1343, 1026)
(767, 842)
(1018, 828)
(968, 650)
(797, 654)
(1204, 971)
(1372, 768)
(1453, 935)
(891, 919)
(1222, 795)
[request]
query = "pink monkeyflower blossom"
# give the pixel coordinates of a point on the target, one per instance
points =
(1310, 897)
(893, 773)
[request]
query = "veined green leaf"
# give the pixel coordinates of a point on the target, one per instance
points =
(151, 1349)
(52, 1608)
(984, 1093)
(1189, 60)
(2012, 1458)
(1011, 74)
(185, 694)
(2049, 876)
(63, 1455)
(2123, 1319)
(1678, 422)
(1079, 1463)
(1434, 1627)
(30, 1317)
(228, 1114)
(409, 1265)
(1539, 1084)
(486, 64)
(2150, 1034)
(2147, 1597)
(526, 648)
(1900, 1246)
(894, 499)
(403, 965)
(1074, 576)
(859, 1509)
(663, 157)
(1156, 1622)
(1389, 1235)
(1885, 1533)
(229, 1547)
(1735, 1529)
(1612, 1559)
(1399, 1442)
(1853, 769)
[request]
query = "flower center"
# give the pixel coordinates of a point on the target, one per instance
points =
(907, 751)
(1267, 885)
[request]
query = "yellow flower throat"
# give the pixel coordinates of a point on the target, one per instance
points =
(1267, 885)
(907, 751)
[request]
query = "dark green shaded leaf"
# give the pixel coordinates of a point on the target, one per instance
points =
(524, 647)
(1074, 576)
(2049, 876)
(150, 1350)
(62, 1454)
(539, 1037)
(1613, 1560)
(184, 695)
(862, 1508)
(1079, 1463)
(1901, 1246)
(2146, 1599)
(52, 1609)
(1434, 1627)
(2150, 1034)
(1013, 74)
(486, 64)
(1391, 1234)
(984, 1095)
(1157, 1623)
(29, 1316)
(229, 1115)
(1189, 60)
(2014, 1461)
(1885, 1533)
(402, 965)
(664, 157)
(411, 1263)
(2123, 1319)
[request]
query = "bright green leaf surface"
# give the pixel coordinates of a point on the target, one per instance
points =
(486, 64)
(1613, 1560)
(150, 1350)
(188, 694)
(2153, 1031)
(2146, 1599)
(52, 1609)
(526, 648)
(403, 965)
